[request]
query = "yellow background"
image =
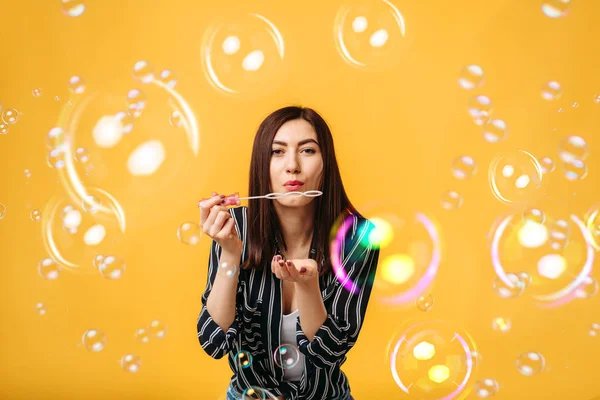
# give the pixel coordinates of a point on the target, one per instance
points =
(396, 132)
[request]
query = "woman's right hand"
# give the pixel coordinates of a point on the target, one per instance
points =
(216, 222)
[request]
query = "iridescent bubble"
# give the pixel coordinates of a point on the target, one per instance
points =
(370, 34)
(27, 173)
(575, 170)
(112, 267)
(143, 71)
(556, 8)
(500, 324)
(592, 222)
(227, 269)
(126, 121)
(573, 148)
(2, 211)
(535, 215)
(189, 233)
(451, 200)
(37, 92)
(175, 119)
(480, 109)
(55, 138)
(82, 155)
(495, 130)
(142, 335)
(243, 359)
(48, 269)
(525, 278)
(433, 354)
(71, 219)
(515, 176)
(463, 167)
(286, 356)
(551, 91)
(57, 98)
(10, 116)
(40, 308)
(3, 128)
(425, 303)
(530, 363)
(588, 289)
(254, 393)
(547, 164)
(136, 102)
(168, 78)
(72, 8)
(515, 287)
(76, 85)
(471, 77)
(56, 158)
(35, 215)
(94, 340)
(597, 98)
(243, 55)
(157, 329)
(485, 388)
(131, 363)
(594, 329)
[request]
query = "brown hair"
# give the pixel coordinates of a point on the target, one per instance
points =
(263, 224)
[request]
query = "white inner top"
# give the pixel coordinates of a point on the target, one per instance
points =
(288, 337)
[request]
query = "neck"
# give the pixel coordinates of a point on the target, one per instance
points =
(297, 224)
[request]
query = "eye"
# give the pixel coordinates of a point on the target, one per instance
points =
(313, 151)
(275, 151)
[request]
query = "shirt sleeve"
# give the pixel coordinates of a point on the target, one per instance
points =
(215, 342)
(347, 304)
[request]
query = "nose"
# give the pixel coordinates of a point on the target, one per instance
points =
(291, 165)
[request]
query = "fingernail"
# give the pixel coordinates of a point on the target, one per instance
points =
(289, 263)
(222, 196)
(280, 263)
(303, 269)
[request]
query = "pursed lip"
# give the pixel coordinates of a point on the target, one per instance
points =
(293, 183)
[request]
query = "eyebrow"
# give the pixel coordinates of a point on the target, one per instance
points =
(300, 143)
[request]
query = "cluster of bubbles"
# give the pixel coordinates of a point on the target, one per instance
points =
(155, 329)
(9, 116)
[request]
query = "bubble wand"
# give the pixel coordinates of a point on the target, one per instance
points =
(233, 199)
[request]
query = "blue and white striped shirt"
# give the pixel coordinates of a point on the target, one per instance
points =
(257, 324)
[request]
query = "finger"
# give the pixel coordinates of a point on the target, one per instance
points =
(275, 267)
(206, 205)
(219, 221)
(283, 268)
(292, 271)
(227, 231)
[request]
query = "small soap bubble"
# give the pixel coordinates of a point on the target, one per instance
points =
(72, 8)
(2, 211)
(90, 204)
(93, 340)
(168, 78)
(515, 176)
(525, 278)
(55, 138)
(463, 167)
(287, 356)
(575, 170)
(500, 324)
(131, 363)
(175, 119)
(588, 288)
(126, 119)
(471, 77)
(37, 92)
(136, 102)
(530, 363)
(243, 359)
(36, 215)
(157, 329)
(227, 269)
(547, 165)
(76, 85)
(98, 259)
(82, 155)
(40, 309)
(56, 158)
(27, 173)
(594, 329)
(573, 148)
(425, 303)
(597, 98)
(559, 231)
(57, 98)
(551, 91)
(189, 233)
(480, 109)
(495, 130)
(451, 200)
(534, 215)
(48, 269)
(112, 267)
(254, 393)
(142, 335)
(3, 128)
(556, 8)
(485, 388)
(10, 116)
(143, 71)
(514, 289)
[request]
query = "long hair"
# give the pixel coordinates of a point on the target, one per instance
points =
(263, 224)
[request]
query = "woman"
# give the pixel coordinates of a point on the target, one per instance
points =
(286, 292)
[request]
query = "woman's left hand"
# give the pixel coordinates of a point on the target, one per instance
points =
(298, 271)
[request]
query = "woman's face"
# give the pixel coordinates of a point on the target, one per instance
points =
(295, 155)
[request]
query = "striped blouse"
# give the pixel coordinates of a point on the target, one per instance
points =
(257, 324)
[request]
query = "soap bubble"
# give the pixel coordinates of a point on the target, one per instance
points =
(131, 363)
(94, 340)
(287, 356)
(425, 303)
(463, 167)
(471, 77)
(531, 363)
(515, 176)
(495, 130)
(451, 200)
(556, 8)
(551, 91)
(480, 109)
(573, 148)
(189, 233)
(72, 8)
(485, 388)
